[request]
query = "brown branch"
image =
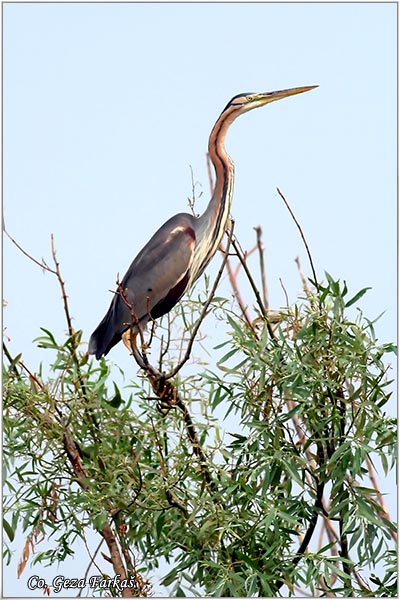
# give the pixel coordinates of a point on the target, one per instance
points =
(302, 276)
(260, 247)
(169, 397)
(73, 455)
(163, 388)
(57, 272)
(42, 264)
(256, 292)
(384, 513)
(91, 562)
(249, 276)
(72, 452)
(172, 499)
(301, 234)
(194, 440)
(116, 559)
(72, 334)
(236, 292)
(246, 254)
(192, 200)
(79, 385)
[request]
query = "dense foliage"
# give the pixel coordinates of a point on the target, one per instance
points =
(251, 477)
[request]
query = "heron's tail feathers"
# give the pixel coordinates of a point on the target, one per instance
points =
(105, 336)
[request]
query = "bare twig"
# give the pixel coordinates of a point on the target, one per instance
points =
(79, 385)
(42, 264)
(57, 272)
(232, 274)
(91, 562)
(302, 276)
(260, 247)
(249, 276)
(301, 234)
(253, 285)
(284, 291)
(192, 200)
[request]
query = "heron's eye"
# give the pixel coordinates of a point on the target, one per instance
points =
(250, 98)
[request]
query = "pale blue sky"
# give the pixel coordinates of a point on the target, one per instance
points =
(106, 106)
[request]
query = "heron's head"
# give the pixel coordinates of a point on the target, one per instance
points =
(245, 102)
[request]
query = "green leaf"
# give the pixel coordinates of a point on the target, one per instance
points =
(117, 400)
(359, 295)
(8, 529)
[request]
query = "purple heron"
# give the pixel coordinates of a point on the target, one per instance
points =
(181, 249)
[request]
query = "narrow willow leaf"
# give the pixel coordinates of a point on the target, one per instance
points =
(359, 295)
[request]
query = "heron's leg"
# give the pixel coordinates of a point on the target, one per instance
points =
(129, 339)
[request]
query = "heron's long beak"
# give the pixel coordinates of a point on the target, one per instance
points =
(267, 97)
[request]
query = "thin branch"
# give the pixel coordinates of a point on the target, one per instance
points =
(260, 247)
(57, 272)
(73, 455)
(203, 313)
(301, 234)
(384, 513)
(344, 546)
(232, 275)
(172, 499)
(245, 253)
(254, 287)
(166, 391)
(42, 264)
(72, 334)
(302, 276)
(310, 530)
(284, 291)
(169, 394)
(192, 200)
(309, 533)
(91, 562)
(249, 276)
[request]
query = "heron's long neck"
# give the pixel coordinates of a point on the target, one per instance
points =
(211, 224)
